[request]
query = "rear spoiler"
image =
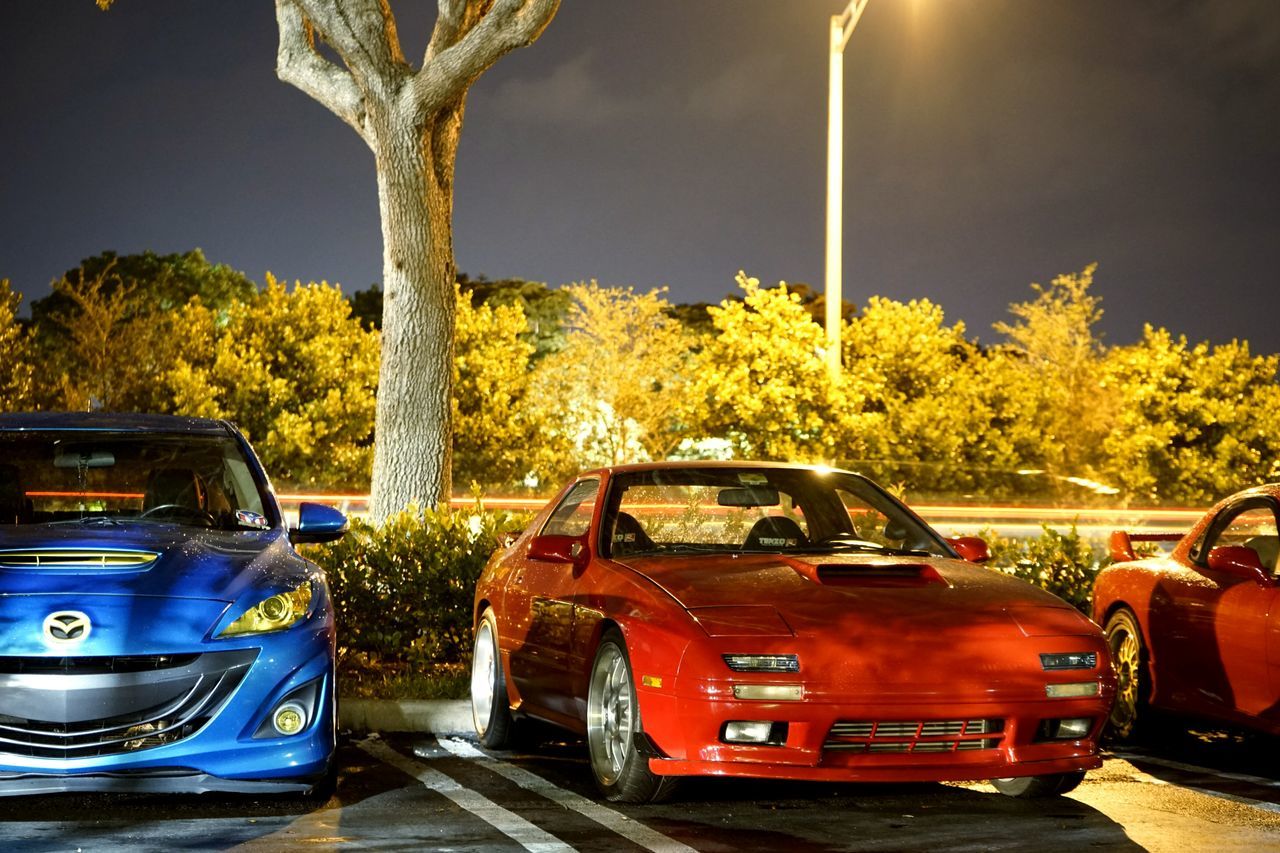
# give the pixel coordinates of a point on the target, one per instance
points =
(1120, 544)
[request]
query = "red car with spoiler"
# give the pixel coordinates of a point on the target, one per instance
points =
(782, 622)
(1197, 631)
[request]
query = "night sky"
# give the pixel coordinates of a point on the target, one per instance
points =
(989, 144)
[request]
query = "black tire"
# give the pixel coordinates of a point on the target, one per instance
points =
(490, 707)
(1029, 787)
(1131, 712)
(613, 723)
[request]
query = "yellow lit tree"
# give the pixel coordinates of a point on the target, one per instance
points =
(297, 372)
(1054, 334)
(1195, 423)
(763, 383)
(498, 437)
(616, 390)
(15, 364)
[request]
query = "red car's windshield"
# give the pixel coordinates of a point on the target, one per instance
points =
(758, 509)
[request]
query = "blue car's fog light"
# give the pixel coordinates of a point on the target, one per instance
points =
(289, 719)
(293, 713)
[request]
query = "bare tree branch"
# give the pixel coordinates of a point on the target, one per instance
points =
(299, 64)
(454, 20)
(504, 26)
(363, 32)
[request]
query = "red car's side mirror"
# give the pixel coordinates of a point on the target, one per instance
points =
(1239, 561)
(971, 548)
(558, 549)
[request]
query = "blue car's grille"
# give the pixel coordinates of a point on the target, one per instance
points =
(91, 665)
(105, 705)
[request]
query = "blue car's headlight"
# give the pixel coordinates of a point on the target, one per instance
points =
(276, 613)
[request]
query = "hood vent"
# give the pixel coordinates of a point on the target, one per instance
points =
(77, 560)
(879, 575)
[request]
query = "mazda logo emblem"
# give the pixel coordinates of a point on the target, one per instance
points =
(66, 626)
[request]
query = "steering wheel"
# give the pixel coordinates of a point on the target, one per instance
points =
(180, 509)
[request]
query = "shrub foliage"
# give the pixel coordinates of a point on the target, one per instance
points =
(402, 592)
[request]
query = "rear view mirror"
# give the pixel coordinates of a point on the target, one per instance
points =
(748, 496)
(71, 457)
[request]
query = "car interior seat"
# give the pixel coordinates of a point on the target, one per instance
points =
(628, 536)
(174, 487)
(13, 501)
(1267, 548)
(774, 532)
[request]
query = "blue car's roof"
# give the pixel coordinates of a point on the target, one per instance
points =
(114, 421)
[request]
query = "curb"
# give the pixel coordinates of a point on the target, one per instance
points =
(439, 716)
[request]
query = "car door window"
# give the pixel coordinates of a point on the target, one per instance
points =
(1250, 527)
(573, 516)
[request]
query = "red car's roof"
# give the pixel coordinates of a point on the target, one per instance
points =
(708, 463)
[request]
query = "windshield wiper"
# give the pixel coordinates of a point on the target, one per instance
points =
(99, 520)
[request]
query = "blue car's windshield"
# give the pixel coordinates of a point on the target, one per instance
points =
(107, 478)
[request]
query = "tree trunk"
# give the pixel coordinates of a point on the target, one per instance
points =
(413, 447)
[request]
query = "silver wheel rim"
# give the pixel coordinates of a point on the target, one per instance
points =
(610, 716)
(1126, 652)
(484, 675)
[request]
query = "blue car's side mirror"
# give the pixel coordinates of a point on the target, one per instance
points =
(318, 523)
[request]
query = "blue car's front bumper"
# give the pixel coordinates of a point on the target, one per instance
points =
(162, 715)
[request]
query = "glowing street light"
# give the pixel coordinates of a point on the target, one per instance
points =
(841, 29)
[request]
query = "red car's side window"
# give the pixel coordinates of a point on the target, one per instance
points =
(573, 516)
(1251, 527)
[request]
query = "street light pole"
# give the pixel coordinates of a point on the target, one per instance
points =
(841, 29)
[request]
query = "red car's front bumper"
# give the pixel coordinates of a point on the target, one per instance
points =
(910, 741)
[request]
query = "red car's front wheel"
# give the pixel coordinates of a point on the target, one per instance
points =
(613, 722)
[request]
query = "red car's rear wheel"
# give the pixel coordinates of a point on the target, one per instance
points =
(490, 709)
(1133, 684)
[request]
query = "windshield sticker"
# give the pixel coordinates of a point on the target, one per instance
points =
(249, 518)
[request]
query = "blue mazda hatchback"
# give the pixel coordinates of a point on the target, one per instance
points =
(158, 631)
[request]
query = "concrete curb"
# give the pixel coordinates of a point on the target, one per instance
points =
(439, 716)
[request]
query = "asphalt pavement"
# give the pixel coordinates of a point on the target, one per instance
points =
(1191, 789)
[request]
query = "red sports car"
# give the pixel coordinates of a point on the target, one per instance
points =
(1198, 631)
(783, 622)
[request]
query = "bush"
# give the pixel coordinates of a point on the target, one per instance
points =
(402, 592)
(1062, 563)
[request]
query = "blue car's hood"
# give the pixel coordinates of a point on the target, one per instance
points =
(173, 603)
(192, 563)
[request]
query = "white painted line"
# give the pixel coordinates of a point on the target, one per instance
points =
(1201, 771)
(1247, 801)
(508, 823)
(1204, 771)
(634, 831)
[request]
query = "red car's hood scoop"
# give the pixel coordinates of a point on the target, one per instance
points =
(870, 574)
(820, 587)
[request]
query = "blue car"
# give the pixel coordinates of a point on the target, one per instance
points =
(158, 631)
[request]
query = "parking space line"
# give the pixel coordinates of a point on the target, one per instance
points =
(1192, 768)
(508, 823)
(1141, 776)
(632, 830)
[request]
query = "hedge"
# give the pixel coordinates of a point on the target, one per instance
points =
(402, 592)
